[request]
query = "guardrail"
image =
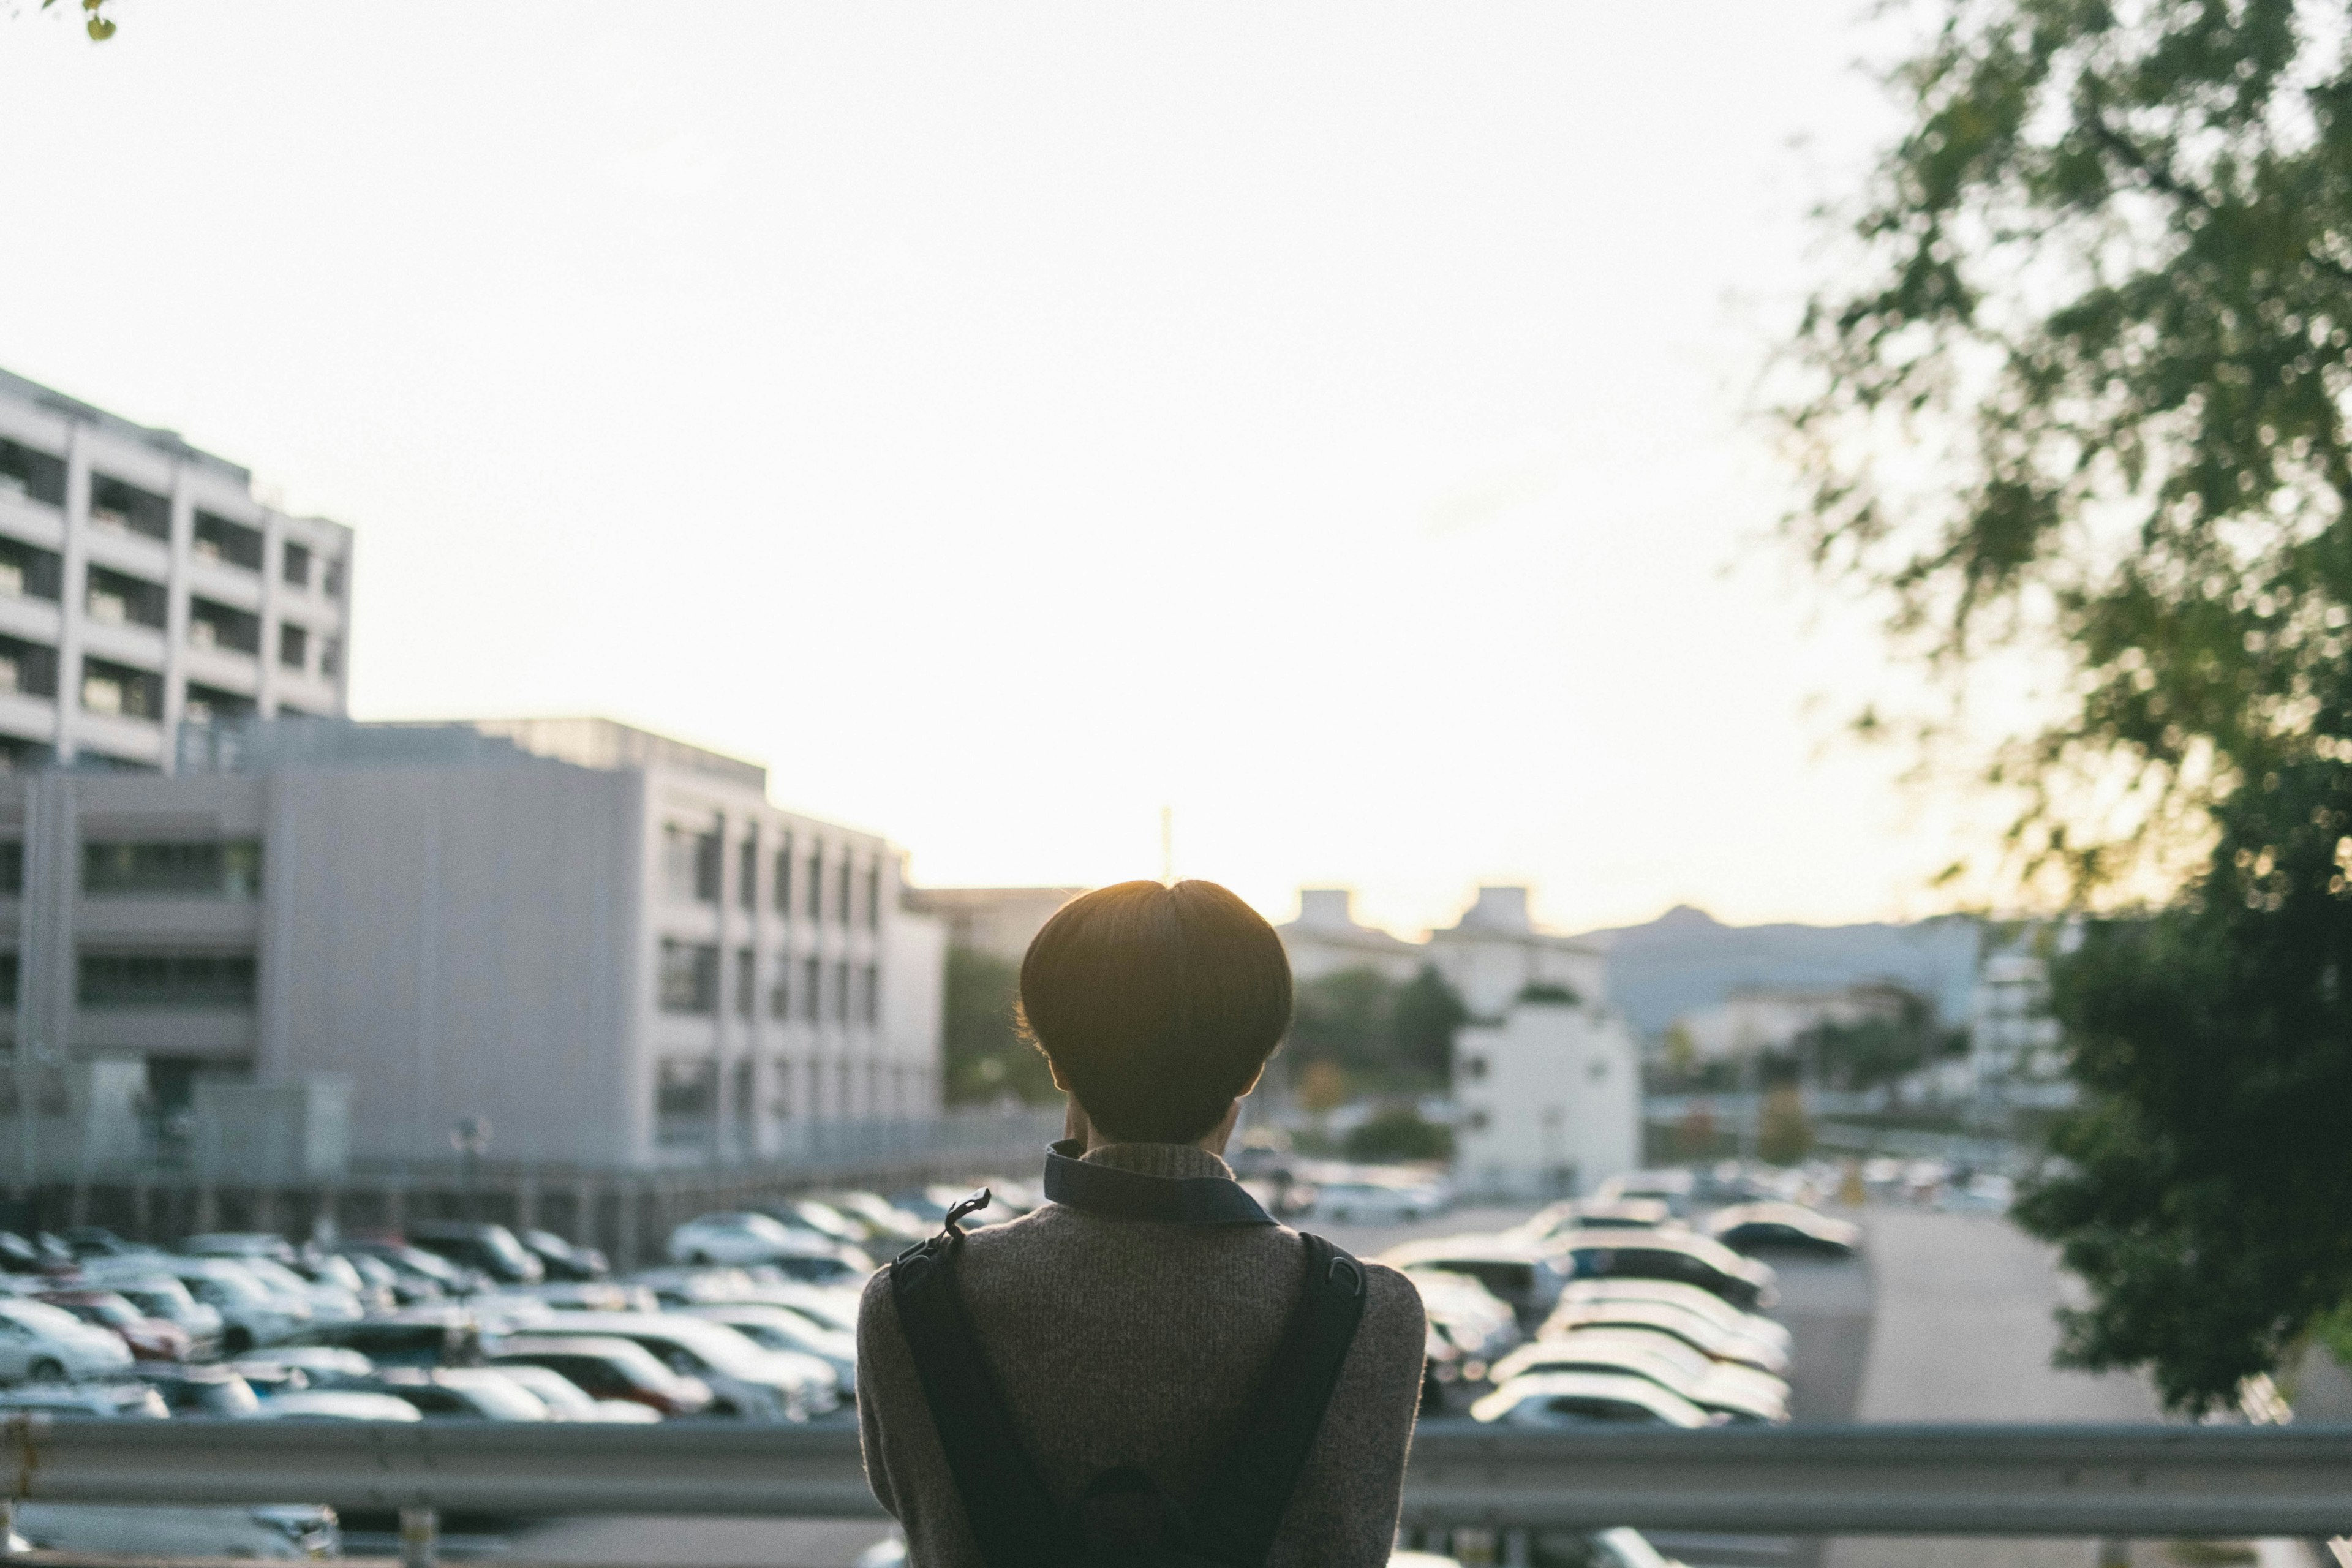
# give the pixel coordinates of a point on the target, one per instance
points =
(2167, 1481)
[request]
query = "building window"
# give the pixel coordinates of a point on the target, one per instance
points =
(746, 1087)
(12, 867)
(218, 539)
(817, 883)
(780, 994)
(19, 755)
(331, 579)
(293, 645)
(747, 979)
(330, 657)
(841, 991)
(685, 1100)
(210, 705)
(689, 978)
(874, 896)
(841, 904)
(29, 572)
(223, 868)
(784, 893)
(32, 473)
(296, 564)
(117, 598)
(810, 1001)
(869, 994)
(222, 625)
(28, 668)
(117, 503)
(747, 874)
(166, 980)
(120, 690)
(690, 864)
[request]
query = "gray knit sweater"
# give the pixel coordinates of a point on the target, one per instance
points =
(1137, 1343)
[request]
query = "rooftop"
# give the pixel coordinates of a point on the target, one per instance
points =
(167, 442)
(605, 745)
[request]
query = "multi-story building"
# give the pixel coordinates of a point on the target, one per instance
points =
(142, 585)
(605, 943)
(998, 921)
(1326, 940)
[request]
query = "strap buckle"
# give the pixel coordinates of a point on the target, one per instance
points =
(951, 1228)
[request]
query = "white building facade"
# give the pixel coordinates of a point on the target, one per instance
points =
(142, 586)
(1548, 1102)
(1326, 940)
(608, 944)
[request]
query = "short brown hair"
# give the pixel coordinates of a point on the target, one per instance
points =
(1156, 1005)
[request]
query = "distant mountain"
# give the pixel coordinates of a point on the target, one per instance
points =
(1686, 959)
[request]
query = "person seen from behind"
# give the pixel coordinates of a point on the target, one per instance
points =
(1148, 1368)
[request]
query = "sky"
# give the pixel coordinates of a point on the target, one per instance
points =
(1331, 422)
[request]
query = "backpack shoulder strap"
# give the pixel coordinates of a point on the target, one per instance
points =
(1238, 1509)
(1012, 1516)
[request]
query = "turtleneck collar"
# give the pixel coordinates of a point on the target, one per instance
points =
(1174, 1183)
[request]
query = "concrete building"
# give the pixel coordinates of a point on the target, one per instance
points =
(1326, 940)
(1549, 1100)
(143, 587)
(607, 943)
(2017, 1054)
(999, 921)
(1752, 1021)
(1494, 953)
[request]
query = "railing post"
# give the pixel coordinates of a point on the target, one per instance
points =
(420, 1529)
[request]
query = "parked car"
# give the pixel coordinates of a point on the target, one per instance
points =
(491, 1250)
(1695, 1330)
(162, 1296)
(328, 1303)
(1783, 1227)
(782, 1329)
(420, 1272)
(283, 1533)
(201, 1390)
(560, 1259)
(1597, 1214)
(386, 1287)
(112, 1401)
(239, 1243)
(567, 1400)
(423, 1336)
(149, 1339)
(606, 1368)
(1586, 1399)
(1470, 1316)
(887, 1225)
(743, 1238)
(97, 1241)
(819, 1218)
(374, 1293)
(336, 1405)
(1525, 1276)
(251, 1313)
(458, 1392)
(319, 1364)
(41, 1343)
(745, 1381)
(1705, 1303)
(1363, 1202)
(1673, 1188)
(1739, 1392)
(1689, 1259)
(19, 1256)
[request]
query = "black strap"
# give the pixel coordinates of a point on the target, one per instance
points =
(1012, 1516)
(1240, 1505)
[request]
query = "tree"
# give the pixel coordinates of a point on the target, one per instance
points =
(1784, 1133)
(986, 1057)
(1399, 1133)
(2206, 1191)
(1422, 1021)
(2080, 403)
(95, 22)
(1389, 1034)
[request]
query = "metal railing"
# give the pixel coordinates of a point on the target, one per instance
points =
(2110, 1481)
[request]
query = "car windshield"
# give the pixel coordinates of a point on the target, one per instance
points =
(552, 1389)
(228, 1287)
(714, 1345)
(112, 1310)
(274, 1275)
(630, 1360)
(501, 1399)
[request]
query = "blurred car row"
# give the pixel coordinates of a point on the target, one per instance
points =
(1638, 1305)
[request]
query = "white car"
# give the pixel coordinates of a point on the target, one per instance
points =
(334, 1405)
(291, 1533)
(743, 1240)
(251, 1313)
(749, 1382)
(1700, 1332)
(1554, 1399)
(565, 1400)
(782, 1329)
(41, 1343)
(1691, 1297)
(1742, 1393)
(1374, 1203)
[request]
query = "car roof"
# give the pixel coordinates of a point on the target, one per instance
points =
(1623, 1385)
